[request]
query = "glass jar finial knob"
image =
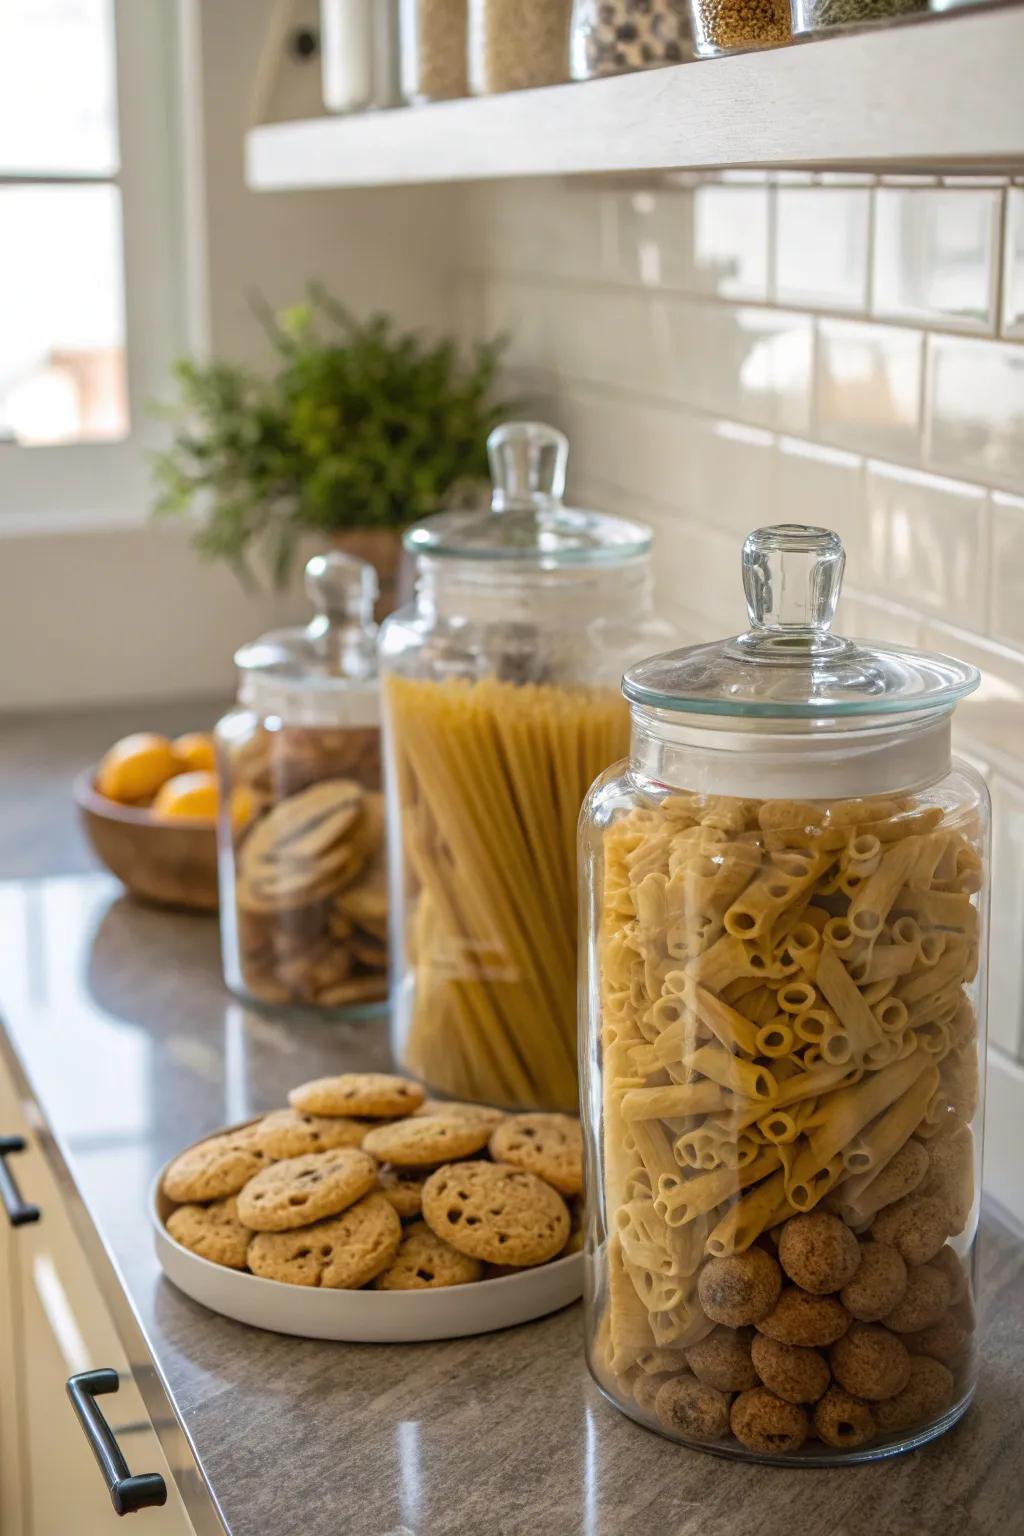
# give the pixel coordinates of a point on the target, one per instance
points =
(528, 462)
(791, 577)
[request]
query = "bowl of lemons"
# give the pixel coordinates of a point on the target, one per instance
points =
(150, 808)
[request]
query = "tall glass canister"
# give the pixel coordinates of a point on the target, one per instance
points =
(501, 704)
(783, 1018)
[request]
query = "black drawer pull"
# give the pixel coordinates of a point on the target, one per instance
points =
(19, 1212)
(127, 1493)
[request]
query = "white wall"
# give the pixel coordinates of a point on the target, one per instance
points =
(127, 612)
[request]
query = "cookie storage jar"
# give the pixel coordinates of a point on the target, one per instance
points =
(501, 703)
(783, 996)
(301, 852)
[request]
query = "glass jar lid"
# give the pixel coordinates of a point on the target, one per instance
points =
(317, 674)
(789, 664)
(528, 521)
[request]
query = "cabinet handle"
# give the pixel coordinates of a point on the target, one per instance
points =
(127, 1493)
(19, 1212)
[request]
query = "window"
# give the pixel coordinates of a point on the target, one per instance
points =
(92, 303)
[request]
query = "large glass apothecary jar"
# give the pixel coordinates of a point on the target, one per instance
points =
(303, 898)
(783, 1000)
(501, 704)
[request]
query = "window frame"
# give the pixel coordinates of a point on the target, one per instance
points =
(78, 484)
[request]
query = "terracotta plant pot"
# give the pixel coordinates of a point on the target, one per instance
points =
(381, 548)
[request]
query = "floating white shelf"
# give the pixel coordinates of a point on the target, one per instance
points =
(947, 91)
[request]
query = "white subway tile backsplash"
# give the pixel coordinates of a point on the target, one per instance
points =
(928, 543)
(821, 246)
(730, 241)
(825, 486)
(976, 410)
(868, 618)
(1008, 570)
(654, 238)
(1013, 265)
(1006, 1006)
(868, 388)
(936, 256)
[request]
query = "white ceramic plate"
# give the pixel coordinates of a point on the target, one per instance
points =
(363, 1317)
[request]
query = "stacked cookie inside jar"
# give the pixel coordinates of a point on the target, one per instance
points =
(363, 1182)
(786, 968)
(304, 905)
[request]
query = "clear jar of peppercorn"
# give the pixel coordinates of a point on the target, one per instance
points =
(735, 26)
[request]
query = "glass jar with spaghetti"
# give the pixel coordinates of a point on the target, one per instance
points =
(303, 900)
(784, 911)
(501, 700)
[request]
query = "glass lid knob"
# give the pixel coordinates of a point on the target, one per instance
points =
(528, 461)
(342, 589)
(791, 577)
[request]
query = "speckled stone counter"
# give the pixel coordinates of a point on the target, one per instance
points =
(117, 1023)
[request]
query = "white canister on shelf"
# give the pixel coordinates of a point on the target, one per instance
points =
(359, 54)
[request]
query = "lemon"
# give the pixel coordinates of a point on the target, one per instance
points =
(136, 767)
(191, 795)
(194, 751)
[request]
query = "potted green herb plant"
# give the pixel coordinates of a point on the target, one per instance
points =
(357, 432)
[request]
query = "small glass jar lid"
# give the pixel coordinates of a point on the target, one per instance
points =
(324, 673)
(528, 522)
(789, 664)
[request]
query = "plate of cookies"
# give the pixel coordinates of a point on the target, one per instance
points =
(365, 1212)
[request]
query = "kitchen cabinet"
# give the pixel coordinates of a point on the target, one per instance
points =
(54, 1324)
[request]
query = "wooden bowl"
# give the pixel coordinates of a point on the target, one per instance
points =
(173, 863)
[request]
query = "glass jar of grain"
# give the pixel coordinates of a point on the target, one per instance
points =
(515, 46)
(734, 26)
(782, 1001)
(825, 15)
(433, 46)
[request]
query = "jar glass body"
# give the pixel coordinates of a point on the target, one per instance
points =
(501, 703)
(301, 859)
(513, 48)
(613, 38)
(434, 50)
(850, 15)
(782, 1039)
(736, 26)
(359, 56)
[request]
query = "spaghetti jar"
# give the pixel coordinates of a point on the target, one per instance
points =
(501, 703)
(301, 834)
(783, 988)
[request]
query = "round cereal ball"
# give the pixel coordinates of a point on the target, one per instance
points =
(800, 1318)
(928, 1392)
(878, 1285)
(818, 1252)
(722, 1360)
(870, 1362)
(765, 1424)
(945, 1341)
(905, 1171)
(843, 1421)
(917, 1226)
(664, 1362)
(686, 1408)
(646, 1389)
(740, 1289)
(795, 1374)
(949, 1263)
(923, 1303)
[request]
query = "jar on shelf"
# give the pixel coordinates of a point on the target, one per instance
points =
(359, 54)
(825, 15)
(612, 37)
(784, 910)
(501, 703)
(434, 50)
(513, 47)
(304, 908)
(737, 26)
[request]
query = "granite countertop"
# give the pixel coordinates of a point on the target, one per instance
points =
(117, 1017)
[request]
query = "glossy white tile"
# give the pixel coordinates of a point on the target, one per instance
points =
(1013, 265)
(868, 388)
(825, 486)
(1006, 1009)
(976, 410)
(654, 238)
(730, 240)
(928, 541)
(1008, 570)
(821, 246)
(936, 256)
(869, 618)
